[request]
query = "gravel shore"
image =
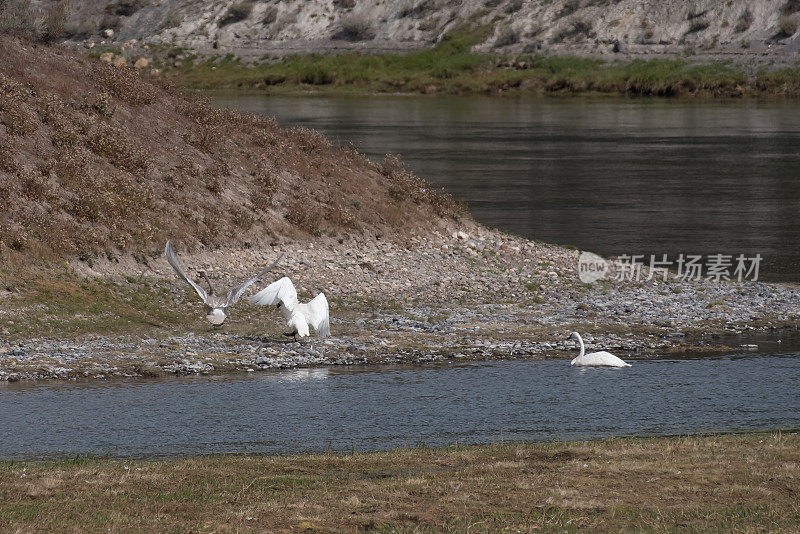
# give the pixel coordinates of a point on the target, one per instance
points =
(466, 293)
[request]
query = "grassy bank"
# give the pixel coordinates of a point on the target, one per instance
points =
(718, 483)
(450, 68)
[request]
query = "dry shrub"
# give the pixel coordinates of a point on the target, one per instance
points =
(243, 219)
(72, 166)
(342, 217)
(212, 179)
(55, 22)
(210, 124)
(404, 185)
(513, 6)
(263, 191)
(118, 148)
(309, 140)
(17, 17)
(744, 21)
(790, 7)
(570, 7)
(101, 103)
(124, 84)
(507, 37)
(15, 112)
(787, 26)
(355, 28)
(50, 108)
(34, 187)
(305, 213)
(126, 8)
(270, 16)
(237, 12)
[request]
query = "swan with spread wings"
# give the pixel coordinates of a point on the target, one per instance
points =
(299, 316)
(216, 305)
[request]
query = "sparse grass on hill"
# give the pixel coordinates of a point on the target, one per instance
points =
(96, 161)
(740, 483)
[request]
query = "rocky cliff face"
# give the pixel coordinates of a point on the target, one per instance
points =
(274, 28)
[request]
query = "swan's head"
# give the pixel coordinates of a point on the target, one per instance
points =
(574, 336)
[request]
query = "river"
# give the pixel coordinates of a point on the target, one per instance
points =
(343, 409)
(609, 175)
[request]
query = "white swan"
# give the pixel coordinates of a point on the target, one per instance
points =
(298, 315)
(595, 358)
(216, 305)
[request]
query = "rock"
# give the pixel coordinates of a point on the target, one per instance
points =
(89, 44)
(463, 236)
(120, 61)
(141, 63)
(108, 33)
(107, 57)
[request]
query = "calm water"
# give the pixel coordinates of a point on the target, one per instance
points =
(367, 409)
(615, 176)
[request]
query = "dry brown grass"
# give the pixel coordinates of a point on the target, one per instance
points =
(95, 160)
(744, 483)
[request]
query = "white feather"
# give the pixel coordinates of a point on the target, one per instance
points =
(602, 358)
(299, 316)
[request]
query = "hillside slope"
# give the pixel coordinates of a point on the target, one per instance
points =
(96, 161)
(760, 30)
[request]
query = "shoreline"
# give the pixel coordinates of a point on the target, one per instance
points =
(444, 71)
(467, 294)
(747, 482)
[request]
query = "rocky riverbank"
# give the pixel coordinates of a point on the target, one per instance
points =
(467, 293)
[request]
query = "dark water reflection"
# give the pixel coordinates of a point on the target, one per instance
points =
(615, 176)
(368, 409)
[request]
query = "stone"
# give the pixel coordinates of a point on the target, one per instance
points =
(108, 33)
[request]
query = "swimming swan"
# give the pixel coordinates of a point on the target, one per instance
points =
(595, 358)
(298, 315)
(216, 305)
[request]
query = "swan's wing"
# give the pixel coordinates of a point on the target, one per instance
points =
(318, 315)
(169, 252)
(282, 291)
(236, 293)
(604, 358)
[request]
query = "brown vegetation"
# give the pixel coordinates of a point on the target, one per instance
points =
(695, 484)
(95, 160)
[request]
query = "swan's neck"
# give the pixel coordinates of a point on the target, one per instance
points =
(580, 340)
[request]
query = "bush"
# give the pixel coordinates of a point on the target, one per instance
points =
(507, 37)
(55, 22)
(17, 17)
(355, 28)
(790, 7)
(270, 16)
(126, 8)
(345, 4)
(514, 6)
(787, 25)
(744, 22)
(237, 12)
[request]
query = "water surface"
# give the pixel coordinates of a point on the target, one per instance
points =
(615, 176)
(369, 409)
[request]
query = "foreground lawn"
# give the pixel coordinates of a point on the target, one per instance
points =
(718, 483)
